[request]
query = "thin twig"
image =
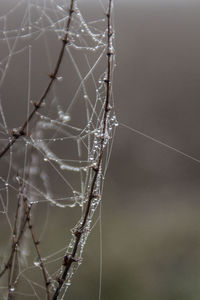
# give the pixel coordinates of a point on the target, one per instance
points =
(15, 245)
(11, 275)
(37, 105)
(69, 259)
(16, 228)
(36, 245)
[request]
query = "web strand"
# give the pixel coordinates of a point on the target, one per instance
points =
(59, 156)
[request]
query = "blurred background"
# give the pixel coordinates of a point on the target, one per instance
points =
(150, 226)
(151, 208)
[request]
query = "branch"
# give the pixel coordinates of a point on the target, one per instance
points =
(36, 245)
(15, 242)
(70, 259)
(12, 265)
(53, 77)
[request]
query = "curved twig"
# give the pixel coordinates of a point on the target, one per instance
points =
(15, 244)
(36, 245)
(37, 105)
(70, 259)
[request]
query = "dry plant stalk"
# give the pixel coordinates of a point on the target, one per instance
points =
(19, 230)
(23, 221)
(71, 258)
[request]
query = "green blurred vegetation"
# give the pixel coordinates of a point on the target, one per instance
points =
(145, 256)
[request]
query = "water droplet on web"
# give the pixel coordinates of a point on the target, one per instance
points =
(116, 123)
(60, 8)
(66, 118)
(85, 129)
(37, 263)
(12, 289)
(68, 283)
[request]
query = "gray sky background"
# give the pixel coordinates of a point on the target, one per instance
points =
(151, 203)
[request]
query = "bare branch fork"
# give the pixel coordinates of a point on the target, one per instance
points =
(36, 245)
(70, 259)
(53, 76)
(15, 243)
(18, 233)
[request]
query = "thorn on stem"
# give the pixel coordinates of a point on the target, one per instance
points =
(95, 169)
(109, 53)
(78, 232)
(71, 11)
(48, 283)
(66, 259)
(7, 266)
(107, 81)
(110, 34)
(95, 195)
(107, 109)
(65, 41)
(22, 132)
(15, 134)
(37, 105)
(52, 76)
(60, 280)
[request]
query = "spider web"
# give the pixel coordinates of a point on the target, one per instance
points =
(46, 175)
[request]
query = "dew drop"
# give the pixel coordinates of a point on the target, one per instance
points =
(116, 123)
(37, 263)
(66, 118)
(12, 289)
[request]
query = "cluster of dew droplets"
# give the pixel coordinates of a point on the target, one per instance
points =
(54, 123)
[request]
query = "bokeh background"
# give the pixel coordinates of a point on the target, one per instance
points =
(150, 212)
(151, 205)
